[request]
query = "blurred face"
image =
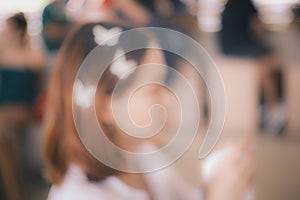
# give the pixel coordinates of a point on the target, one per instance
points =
(145, 97)
(140, 103)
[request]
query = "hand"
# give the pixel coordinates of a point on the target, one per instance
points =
(234, 175)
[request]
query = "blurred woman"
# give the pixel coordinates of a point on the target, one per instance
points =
(74, 170)
(20, 66)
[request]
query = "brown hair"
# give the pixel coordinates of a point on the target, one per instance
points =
(19, 23)
(62, 144)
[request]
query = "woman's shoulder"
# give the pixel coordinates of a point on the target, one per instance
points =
(76, 186)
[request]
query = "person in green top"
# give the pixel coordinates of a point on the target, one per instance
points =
(55, 24)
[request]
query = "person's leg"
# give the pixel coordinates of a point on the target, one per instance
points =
(271, 86)
(12, 119)
(273, 113)
(270, 93)
(10, 167)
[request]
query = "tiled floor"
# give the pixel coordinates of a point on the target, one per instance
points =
(278, 176)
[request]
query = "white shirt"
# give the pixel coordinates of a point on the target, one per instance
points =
(165, 184)
(76, 186)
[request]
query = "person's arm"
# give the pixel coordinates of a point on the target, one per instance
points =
(257, 28)
(234, 175)
(255, 25)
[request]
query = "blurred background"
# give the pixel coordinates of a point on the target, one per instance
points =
(276, 131)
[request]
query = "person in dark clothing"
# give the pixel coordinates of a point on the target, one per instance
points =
(20, 67)
(236, 36)
(55, 24)
(171, 14)
(242, 36)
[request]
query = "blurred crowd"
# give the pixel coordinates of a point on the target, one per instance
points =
(26, 70)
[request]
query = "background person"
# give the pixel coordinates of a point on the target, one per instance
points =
(20, 67)
(55, 24)
(242, 35)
